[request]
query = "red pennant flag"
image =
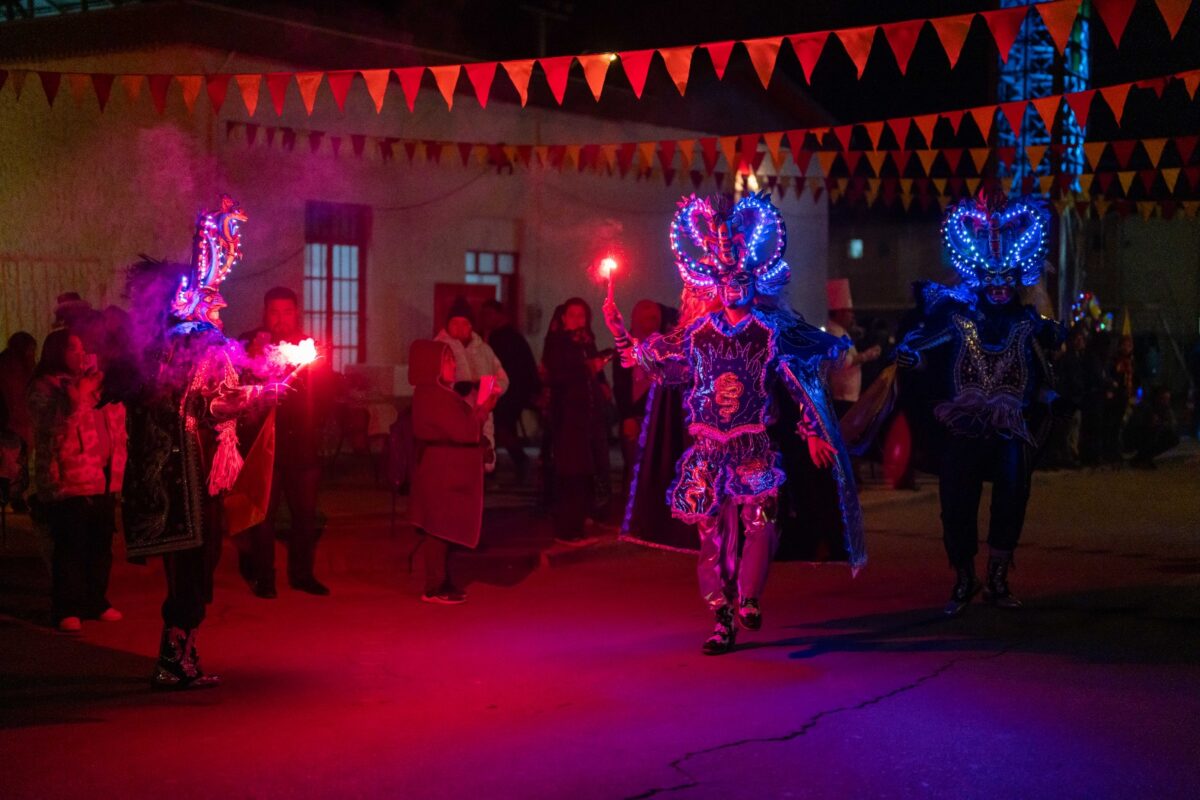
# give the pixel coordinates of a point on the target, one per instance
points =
(410, 82)
(857, 42)
(433, 151)
(1123, 150)
(557, 70)
(252, 133)
(1015, 114)
(925, 124)
(190, 86)
(708, 151)
(1081, 104)
(749, 151)
(666, 153)
(801, 156)
(1148, 176)
(50, 83)
(377, 81)
(335, 143)
(102, 84)
(763, 53)
(625, 156)
(852, 157)
(843, 132)
(874, 131)
(481, 77)
(158, 91)
(358, 143)
(1186, 145)
(955, 119)
(899, 130)
(679, 64)
(719, 52)
(217, 86)
(953, 157)
(808, 48)
(277, 83)
(18, 81)
(1059, 19)
(78, 83)
(464, 152)
(952, 31)
(902, 37)
(595, 68)
(1115, 96)
(1005, 24)
(308, 83)
(249, 86)
(1173, 12)
(339, 86)
(1115, 16)
(1047, 108)
(446, 78)
(636, 64)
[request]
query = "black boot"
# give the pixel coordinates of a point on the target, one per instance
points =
(264, 585)
(997, 592)
(966, 586)
(724, 632)
(178, 664)
(750, 614)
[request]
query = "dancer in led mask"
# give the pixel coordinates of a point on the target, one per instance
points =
(985, 357)
(183, 399)
(731, 362)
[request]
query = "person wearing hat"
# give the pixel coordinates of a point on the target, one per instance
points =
(477, 368)
(845, 377)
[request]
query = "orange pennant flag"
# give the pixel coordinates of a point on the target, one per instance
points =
(679, 64)
(1191, 82)
(729, 146)
(952, 31)
(1035, 153)
(763, 53)
(1085, 182)
(825, 159)
(876, 159)
(1115, 96)
(1047, 108)
(595, 68)
(572, 158)
(1146, 208)
(972, 186)
(1126, 179)
(1059, 19)
(519, 73)
(687, 149)
(1173, 12)
(377, 82)
(308, 83)
(645, 151)
(1154, 149)
(857, 42)
(1171, 177)
(1094, 151)
(1101, 204)
(979, 157)
(773, 142)
(939, 184)
(79, 84)
(249, 86)
(446, 78)
(927, 158)
(1191, 207)
(983, 116)
(191, 86)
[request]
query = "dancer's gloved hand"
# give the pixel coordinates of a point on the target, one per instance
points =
(822, 453)
(907, 358)
(613, 318)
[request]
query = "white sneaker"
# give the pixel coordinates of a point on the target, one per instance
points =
(112, 615)
(70, 625)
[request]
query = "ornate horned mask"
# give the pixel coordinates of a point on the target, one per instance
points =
(994, 241)
(216, 250)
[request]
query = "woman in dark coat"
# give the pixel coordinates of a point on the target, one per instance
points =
(446, 500)
(579, 416)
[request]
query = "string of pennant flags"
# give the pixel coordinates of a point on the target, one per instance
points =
(859, 43)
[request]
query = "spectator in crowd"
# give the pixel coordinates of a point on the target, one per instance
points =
(845, 378)
(1152, 428)
(71, 311)
(524, 384)
(17, 363)
(579, 413)
(477, 365)
(1080, 386)
(446, 498)
(1096, 397)
(631, 385)
(1118, 397)
(299, 421)
(79, 462)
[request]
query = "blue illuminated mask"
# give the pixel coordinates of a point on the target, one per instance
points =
(992, 241)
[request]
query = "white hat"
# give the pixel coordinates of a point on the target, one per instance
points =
(837, 291)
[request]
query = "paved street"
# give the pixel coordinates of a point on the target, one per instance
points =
(579, 675)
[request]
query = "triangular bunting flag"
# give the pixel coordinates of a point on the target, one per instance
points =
(636, 64)
(191, 86)
(687, 148)
(874, 131)
(679, 65)
(1081, 104)
(159, 84)
(1115, 96)
(17, 76)
(979, 157)
(953, 157)
(748, 156)
(1126, 179)
(1101, 205)
(902, 38)
(901, 158)
(1115, 15)
(876, 158)
(925, 125)
(857, 42)
(1171, 177)
(899, 130)
(79, 84)
(939, 185)
(557, 70)
(625, 157)
(249, 85)
(218, 87)
(808, 47)
(1059, 19)
(1123, 150)
(708, 152)
(102, 85)
(1047, 108)
(666, 153)
(763, 53)
(728, 145)
(481, 77)
(308, 83)
(357, 143)
(842, 134)
(410, 83)
(973, 186)
(1173, 12)
(1015, 114)
(825, 159)
(1146, 207)
(774, 141)
(277, 84)
(952, 31)
(446, 78)
(1085, 182)
(1004, 25)
(955, 119)
(1186, 145)
(1094, 151)
(464, 150)
(595, 68)
(50, 84)
(1148, 177)
(983, 116)
(719, 52)
(1154, 148)
(645, 152)
(1035, 153)
(339, 86)
(377, 82)
(927, 158)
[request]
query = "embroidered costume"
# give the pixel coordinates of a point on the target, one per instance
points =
(738, 367)
(984, 356)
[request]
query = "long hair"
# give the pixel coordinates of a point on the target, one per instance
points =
(556, 322)
(54, 354)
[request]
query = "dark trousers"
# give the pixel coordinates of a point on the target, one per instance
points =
(574, 500)
(190, 573)
(507, 417)
(966, 464)
(82, 531)
(436, 555)
(298, 486)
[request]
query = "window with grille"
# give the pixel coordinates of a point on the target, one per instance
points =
(490, 268)
(335, 289)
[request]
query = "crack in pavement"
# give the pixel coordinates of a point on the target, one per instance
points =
(692, 781)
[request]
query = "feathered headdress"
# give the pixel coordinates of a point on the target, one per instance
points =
(746, 237)
(994, 241)
(216, 250)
